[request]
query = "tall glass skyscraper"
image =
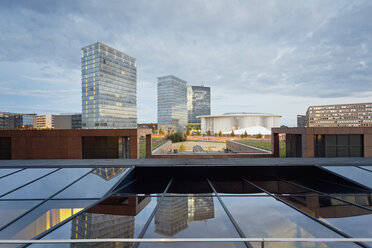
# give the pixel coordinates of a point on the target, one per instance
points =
(109, 88)
(198, 103)
(172, 103)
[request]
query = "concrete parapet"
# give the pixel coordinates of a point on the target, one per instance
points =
(163, 149)
(238, 147)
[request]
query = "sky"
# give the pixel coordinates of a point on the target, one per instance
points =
(275, 57)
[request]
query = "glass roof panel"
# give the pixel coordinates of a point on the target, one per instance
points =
(235, 187)
(353, 173)
(9, 210)
(21, 178)
(192, 216)
(367, 168)
(43, 218)
(49, 185)
(269, 218)
(95, 184)
(116, 217)
(353, 220)
(4, 172)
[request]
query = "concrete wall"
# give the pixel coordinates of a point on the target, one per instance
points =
(163, 149)
(242, 148)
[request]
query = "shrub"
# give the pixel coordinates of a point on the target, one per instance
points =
(209, 133)
(220, 134)
(176, 137)
(198, 132)
(182, 148)
(232, 133)
(259, 136)
(245, 134)
(161, 131)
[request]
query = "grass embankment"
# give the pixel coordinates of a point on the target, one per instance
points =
(156, 142)
(266, 145)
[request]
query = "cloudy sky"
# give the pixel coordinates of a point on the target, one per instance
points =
(257, 56)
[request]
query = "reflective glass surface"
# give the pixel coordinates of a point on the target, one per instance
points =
(354, 173)
(21, 178)
(43, 218)
(94, 185)
(235, 187)
(353, 220)
(367, 168)
(116, 217)
(9, 210)
(49, 185)
(4, 172)
(266, 217)
(192, 216)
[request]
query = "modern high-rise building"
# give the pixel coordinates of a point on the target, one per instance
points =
(109, 88)
(340, 115)
(172, 103)
(198, 102)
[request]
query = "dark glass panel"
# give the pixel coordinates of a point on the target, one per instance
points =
(269, 218)
(9, 210)
(190, 217)
(343, 140)
(21, 178)
(43, 218)
(190, 186)
(4, 172)
(353, 173)
(49, 185)
(237, 186)
(95, 184)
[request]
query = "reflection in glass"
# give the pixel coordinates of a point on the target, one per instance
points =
(43, 218)
(49, 185)
(115, 217)
(353, 173)
(355, 221)
(95, 184)
(21, 178)
(268, 218)
(190, 217)
(9, 210)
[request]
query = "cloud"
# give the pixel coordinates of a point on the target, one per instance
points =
(315, 50)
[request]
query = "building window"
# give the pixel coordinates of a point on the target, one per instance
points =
(340, 145)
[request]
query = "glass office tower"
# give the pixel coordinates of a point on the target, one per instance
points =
(172, 103)
(198, 103)
(109, 88)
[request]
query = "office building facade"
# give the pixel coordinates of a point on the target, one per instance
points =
(172, 103)
(16, 120)
(72, 121)
(340, 115)
(109, 88)
(198, 103)
(45, 121)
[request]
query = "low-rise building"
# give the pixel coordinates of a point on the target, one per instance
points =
(340, 115)
(238, 121)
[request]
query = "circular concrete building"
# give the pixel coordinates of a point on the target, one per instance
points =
(239, 122)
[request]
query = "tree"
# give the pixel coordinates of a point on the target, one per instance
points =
(188, 132)
(176, 137)
(209, 133)
(259, 136)
(161, 131)
(198, 132)
(245, 134)
(220, 134)
(232, 133)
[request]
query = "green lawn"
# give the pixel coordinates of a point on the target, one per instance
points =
(266, 145)
(156, 142)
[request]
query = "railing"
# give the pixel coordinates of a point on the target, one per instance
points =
(262, 241)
